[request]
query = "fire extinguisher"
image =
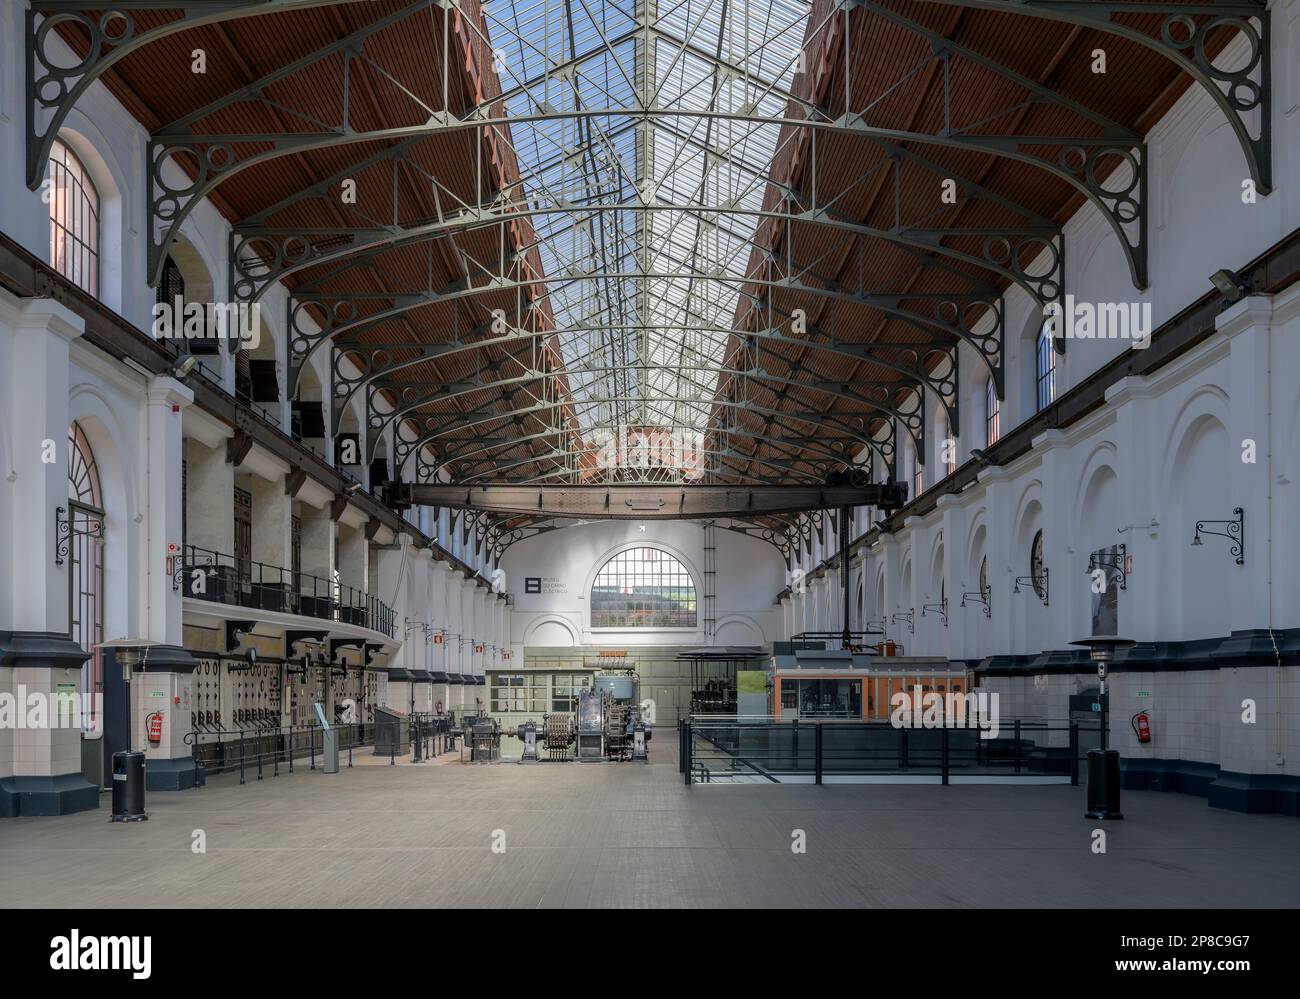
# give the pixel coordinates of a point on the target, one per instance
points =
(1142, 726)
(154, 723)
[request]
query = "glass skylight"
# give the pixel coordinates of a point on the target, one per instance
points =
(644, 111)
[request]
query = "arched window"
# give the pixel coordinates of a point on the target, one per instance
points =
(918, 476)
(172, 284)
(85, 563)
(74, 220)
(1045, 366)
(992, 414)
(83, 473)
(1037, 566)
(643, 588)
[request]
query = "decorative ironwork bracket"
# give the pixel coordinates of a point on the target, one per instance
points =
(1115, 563)
(1234, 530)
(1039, 583)
(941, 608)
(65, 529)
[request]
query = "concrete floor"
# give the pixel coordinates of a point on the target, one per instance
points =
(633, 835)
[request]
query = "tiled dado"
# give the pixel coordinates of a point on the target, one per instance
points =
(40, 769)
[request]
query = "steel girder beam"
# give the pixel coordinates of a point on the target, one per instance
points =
(939, 378)
(643, 502)
(259, 256)
(911, 360)
(406, 448)
(332, 314)
(943, 47)
(820, 457)
(496, 469)
(825, 462)
(911, 416)
(1183, 41)
(54, 89)
(477, 446)
(1075, 162)
(375, 363)
(1071, 164)
(741, 471)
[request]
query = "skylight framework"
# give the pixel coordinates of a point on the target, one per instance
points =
(644, 320)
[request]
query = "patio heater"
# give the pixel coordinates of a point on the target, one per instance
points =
(128, 764)
(1103, 763)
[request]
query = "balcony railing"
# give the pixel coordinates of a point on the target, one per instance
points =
(204, 574)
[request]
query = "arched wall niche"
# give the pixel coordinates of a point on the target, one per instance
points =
(551, 632)
(1029, 616)
(1197, 485)
(1099, 522)
(738, 629)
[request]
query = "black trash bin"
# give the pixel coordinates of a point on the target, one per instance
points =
(1103, 784)
(128, 787)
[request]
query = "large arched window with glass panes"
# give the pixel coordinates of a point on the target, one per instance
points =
(85, 550)
(643, 588)
(74, 219)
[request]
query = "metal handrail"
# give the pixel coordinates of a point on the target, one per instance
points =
(256, 747)
(232, 580)
(1029, 747)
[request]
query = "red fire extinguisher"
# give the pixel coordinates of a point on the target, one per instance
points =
(1142, 726)
(155, 723)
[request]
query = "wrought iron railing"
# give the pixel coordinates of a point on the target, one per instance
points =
(226, 579)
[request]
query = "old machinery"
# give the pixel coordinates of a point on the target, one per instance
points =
(527, 734)
(593, 709)
(484, 737)
(609, 718)
(560, 734)
(607, 726)
(713, 676)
